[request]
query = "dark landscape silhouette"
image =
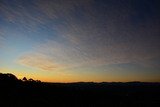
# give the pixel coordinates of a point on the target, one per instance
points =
(34, 93)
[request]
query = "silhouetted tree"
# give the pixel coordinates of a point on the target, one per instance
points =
(8, 77)
(31, 79)
(24, 79)
(38, 81)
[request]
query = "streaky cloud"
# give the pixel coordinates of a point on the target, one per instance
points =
(37, 60)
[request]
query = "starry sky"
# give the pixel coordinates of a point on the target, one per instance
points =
(81, 40)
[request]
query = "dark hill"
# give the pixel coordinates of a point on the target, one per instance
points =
(39, 94)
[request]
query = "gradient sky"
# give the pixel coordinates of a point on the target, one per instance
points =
(81, 40)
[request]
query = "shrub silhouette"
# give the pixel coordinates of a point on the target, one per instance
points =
(24, 79)
(7, 77)
(30, 79)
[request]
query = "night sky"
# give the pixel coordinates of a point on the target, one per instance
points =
(81, 40)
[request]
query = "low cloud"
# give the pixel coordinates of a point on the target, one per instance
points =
(39, 61)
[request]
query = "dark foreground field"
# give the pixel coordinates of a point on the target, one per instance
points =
(38, 94)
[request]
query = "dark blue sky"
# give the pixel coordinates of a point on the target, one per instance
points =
(81, 40)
